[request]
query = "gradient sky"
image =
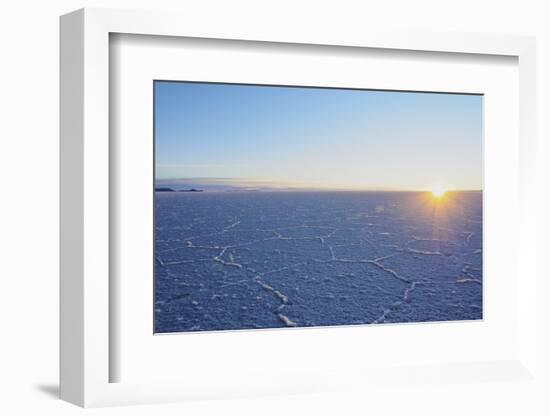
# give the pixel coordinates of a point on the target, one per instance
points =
(312, 137)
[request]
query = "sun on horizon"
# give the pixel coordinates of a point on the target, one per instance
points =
(438, 191)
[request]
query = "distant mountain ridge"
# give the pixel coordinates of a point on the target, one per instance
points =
(166, 189)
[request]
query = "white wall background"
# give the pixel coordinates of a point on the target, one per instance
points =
(29, 204)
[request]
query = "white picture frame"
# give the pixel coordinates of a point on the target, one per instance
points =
(86, 355)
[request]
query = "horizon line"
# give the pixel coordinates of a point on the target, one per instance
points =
(256, 185)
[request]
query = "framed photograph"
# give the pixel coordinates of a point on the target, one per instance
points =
(268, 211)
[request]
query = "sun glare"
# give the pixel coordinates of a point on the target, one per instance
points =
(438, 191)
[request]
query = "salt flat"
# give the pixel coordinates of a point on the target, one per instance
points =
(244, 260)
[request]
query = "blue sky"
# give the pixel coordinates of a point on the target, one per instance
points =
(322, 138)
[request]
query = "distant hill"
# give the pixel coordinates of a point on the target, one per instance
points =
(166, 189)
